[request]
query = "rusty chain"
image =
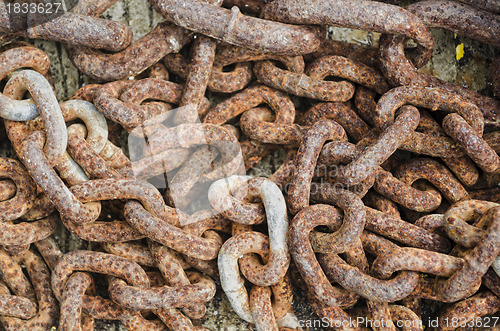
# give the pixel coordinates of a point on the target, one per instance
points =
(388, 196)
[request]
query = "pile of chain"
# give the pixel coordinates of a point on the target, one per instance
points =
(388, 195)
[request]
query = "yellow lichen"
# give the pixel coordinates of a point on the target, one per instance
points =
(460, 51)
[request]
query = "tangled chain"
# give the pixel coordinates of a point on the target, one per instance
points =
(389, 194)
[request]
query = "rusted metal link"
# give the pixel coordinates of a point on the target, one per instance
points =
(103, 231)
(483, 303)
(357, 281)
(14, 59)
(310, 85)
(356, 72)
(96, 262)
(232, 282)
(38, 291)
(172, 270)
(480, 25)
(421, 199)
(387, 19)
(470, 140)
(278, 258)
(360, 53)
(432, 141)
(156, 89)
(71, 304)
(15, 56)
(126, 109)
(424, 198)
(260, 306)
(222, 199)
(434, 172)
(169, 235)
(235, 28)
(203, 54)
(137, 297)
(15, 306)
(465, 281)
(229, 54)
(258, 124)
(250, 98)
(415, 259)
(48, 107)
(454, 222)
(134, 251)
(85, 156)
(352, 226)
(264, 312)
(219, 81)
(398, 70)
(366, 164)
(60, 196)
(165, 38)
(379, 202)
(24, 194)
(490, 5)
(25, 233)
(307, 156)
(405, 232)
(341, 113)
(70, 28)
(104, 189)
(430, 98)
